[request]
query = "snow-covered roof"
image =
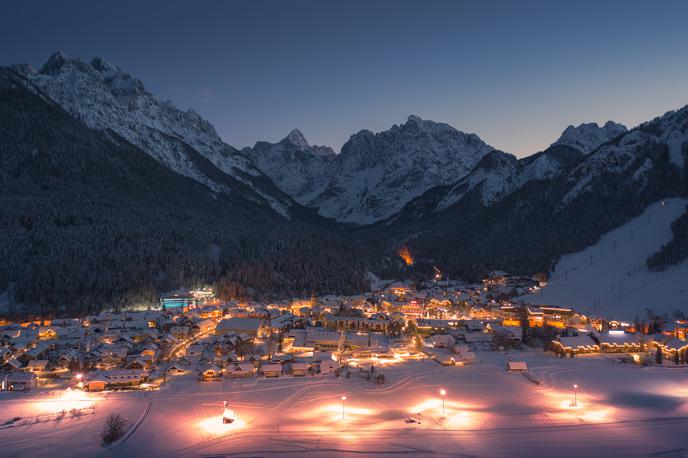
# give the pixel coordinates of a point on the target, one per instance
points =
(617, 338)
(517, 366)
(242, 367)
(514, 331)
(271, 367)
(675, 344)
(242, 324)
(477, 337)
(577, 341)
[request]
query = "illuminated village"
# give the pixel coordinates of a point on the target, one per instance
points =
(446, 360)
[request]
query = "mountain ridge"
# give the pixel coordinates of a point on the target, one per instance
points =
(104, 97)
(448, 196)
(91, 221)
(375, 173)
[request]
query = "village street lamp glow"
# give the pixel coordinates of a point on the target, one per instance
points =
(68, 400)
(228, 415)
(443, 392)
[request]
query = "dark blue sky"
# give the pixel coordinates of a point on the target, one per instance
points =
(514, 72)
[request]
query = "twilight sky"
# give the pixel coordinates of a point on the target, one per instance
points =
(514, 72)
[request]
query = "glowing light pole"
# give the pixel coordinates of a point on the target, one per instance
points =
(343, 404)
(443, 392)
(575, 396)
(228, 415)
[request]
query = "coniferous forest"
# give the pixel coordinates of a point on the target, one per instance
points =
(91, 222)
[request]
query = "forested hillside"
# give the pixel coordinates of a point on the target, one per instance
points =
(528, 230)
(90, 221)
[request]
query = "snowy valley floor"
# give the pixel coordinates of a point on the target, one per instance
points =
(623, 410)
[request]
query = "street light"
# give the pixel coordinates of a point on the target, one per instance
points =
(343, 403)
(575, 396)
(228, 415)
(443, 392)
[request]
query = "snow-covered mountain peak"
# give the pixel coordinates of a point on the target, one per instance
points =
(103, 65)
(415, 123)
(635, 153)
(495, 175)
(587, 137)
(297, 167)
(104, 97)
(297, 139)
(56, 60)
(59, 62)
(376, 174)
(615, 126)
(414, 120)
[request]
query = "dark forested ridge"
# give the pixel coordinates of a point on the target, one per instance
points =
(89, 222)
(530, 229)
(676, 250)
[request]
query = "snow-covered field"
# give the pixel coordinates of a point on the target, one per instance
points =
(39, 433)
(611, 279)
(623, 410)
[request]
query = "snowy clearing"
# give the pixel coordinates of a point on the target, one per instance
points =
(488, 412)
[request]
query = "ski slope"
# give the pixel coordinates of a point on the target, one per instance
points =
(611, 279)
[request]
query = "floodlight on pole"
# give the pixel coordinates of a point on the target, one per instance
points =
(343, 404)
(443, 393)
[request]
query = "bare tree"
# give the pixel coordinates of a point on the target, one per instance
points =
(115, 427)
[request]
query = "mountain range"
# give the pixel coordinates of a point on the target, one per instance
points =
(112, 194)
(105, 98)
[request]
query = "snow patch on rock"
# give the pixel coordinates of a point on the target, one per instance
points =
(376, 174)
(588, 137)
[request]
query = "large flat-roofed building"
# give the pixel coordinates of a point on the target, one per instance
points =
(249, 326)
(178, 299)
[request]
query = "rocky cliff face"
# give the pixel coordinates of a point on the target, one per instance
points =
(375, 175)
(589, 136)
(297, 168)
